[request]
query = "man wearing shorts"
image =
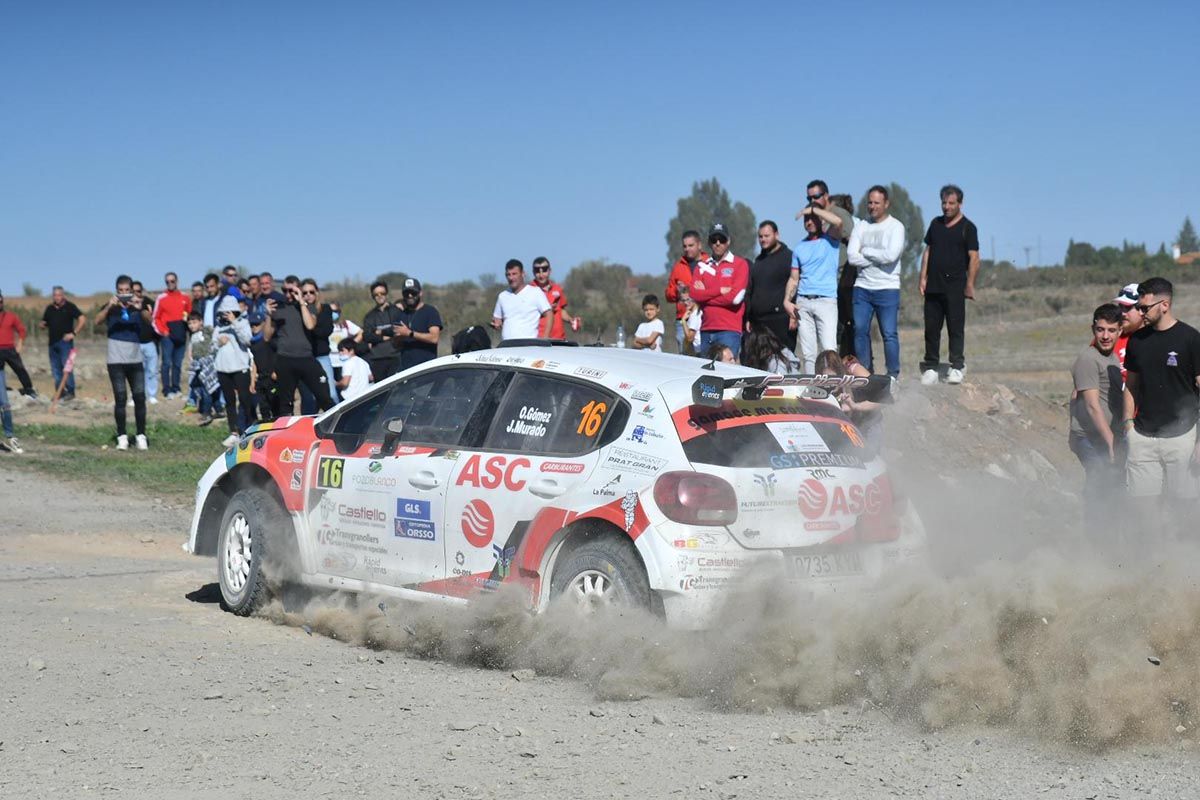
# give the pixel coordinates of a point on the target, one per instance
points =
(1162, 399)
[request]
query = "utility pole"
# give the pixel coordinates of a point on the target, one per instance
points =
(993, 251)
(1027, 250)
(1040, 262)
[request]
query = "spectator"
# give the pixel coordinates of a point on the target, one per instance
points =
(261, 350)
(343, 329)
(761, 349)
(12, 340)
(252, 288)
(875, 248)
(170, 322)
(721, 352)
(1162, 383)
(649, 334)
(356, 374)
(212, 296)
(231, 284)
(11, 442)
(765, 294)
(63, 321)
(122, 317)
(811, 292)
(692, 320)
(948, 269)
(847, 274)
(1096, 414)
(198, 296)
(863, 405)
(379, 332)
(147, 342)
(719, 289)
(232, 363)
(522, 311)
(311, 294)
(679, 283)
(420, 327)
(202, 370)
(1131, 320)
(555, 297)
(291, 326)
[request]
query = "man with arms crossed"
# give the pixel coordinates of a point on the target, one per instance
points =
(719, 289)
(875, 249)
(1095, 415)
(948, 269)
(522, 311)
(1162, 387)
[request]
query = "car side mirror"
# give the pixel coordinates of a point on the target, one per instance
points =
(392, 430)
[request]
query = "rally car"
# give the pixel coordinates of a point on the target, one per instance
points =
(606, 475)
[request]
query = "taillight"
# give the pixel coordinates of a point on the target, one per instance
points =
(695, 499)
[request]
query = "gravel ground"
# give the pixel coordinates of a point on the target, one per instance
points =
(125, 677)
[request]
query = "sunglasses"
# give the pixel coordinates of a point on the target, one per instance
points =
(816, 196)
(378, 294)
(1144, 309)
(309, 293)
(230, 274)
(718, 240)
(541, 269)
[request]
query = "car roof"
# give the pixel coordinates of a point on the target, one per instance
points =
(618, 364)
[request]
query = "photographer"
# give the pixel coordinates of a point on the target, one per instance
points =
(381, 327)
(122, 316)
(289, 326)
(233, 364)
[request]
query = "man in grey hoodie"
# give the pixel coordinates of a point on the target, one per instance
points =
(232, 335)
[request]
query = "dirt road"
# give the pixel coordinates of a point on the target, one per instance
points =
(123, 677)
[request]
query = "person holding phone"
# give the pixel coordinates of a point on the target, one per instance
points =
(122, 317)
(380, 327)
(234, 366)
(290, 326)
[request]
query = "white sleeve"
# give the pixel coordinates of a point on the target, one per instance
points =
(854, 248)
(498, 313)
(543, 305)
(352, 330)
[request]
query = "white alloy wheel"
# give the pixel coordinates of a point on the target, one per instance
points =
(238, 552)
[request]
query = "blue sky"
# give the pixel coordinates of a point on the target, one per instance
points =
(349, 139)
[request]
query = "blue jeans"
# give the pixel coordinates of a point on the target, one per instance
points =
(5, 408)
(150, 367)
(731, 339)
(59, 352)
(1103, 484)
(172, 364)
(885, 305)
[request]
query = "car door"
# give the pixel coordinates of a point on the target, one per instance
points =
(386, 498)
(541, 446)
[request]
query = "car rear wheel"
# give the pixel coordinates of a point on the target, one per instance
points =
(251, 521)
(601, 573)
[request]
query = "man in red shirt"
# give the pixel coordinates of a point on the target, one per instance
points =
(719, 288)
(1131, 320)
(12, 339)
(679, 283)
(171, 311)
(557, 299)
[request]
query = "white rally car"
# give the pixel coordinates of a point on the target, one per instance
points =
(603, 474)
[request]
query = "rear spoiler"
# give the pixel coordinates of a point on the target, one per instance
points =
(710, 389)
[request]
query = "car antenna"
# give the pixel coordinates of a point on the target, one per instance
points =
(711, 366)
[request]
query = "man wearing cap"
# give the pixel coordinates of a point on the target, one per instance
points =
(948, 269)
(522, 311)
(420, 326)
(555, 297)
(1131, 320)
(679, 284)
(719, 289)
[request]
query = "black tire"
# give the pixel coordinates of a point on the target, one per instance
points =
(253, 523)
(607, 560)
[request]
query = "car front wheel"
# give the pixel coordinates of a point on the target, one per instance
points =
(600, 573)
(251, 520)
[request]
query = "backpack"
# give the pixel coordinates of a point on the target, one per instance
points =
(470, 340)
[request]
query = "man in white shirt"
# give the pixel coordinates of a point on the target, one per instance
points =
(522, 311)
(875, 247)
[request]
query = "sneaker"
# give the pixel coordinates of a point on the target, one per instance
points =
(230, 440)
(30, 392)
(190, 410)
(206, 419)
(14, 445)
(954, 376)
(130, 403)
(122, 442)
(152, 400)
(66, 398)
(929, 377)
(141, 442)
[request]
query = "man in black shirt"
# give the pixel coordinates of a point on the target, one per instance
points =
(765, 291)
(1162, 400)
(948, 268)
(420, 327)
(62, 321)
(381, 326)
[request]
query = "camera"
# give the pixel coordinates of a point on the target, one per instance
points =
(125, 298)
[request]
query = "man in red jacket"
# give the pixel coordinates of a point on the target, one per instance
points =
(12, 339)
(171, 311)
(680, 281)
(557, 299)
(719, 288)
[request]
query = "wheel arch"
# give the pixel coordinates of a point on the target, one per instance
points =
(575, 534)
(240, 477)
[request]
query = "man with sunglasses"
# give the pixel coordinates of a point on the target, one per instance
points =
(1162, 400)
(719, 288)
(555, 297)
(171, 311)
(420, 327)
(817, 196)
(381, 326)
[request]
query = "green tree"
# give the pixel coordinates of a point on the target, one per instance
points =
(1188, 241)
(709, 203)
(910, 216)
(394, 279)
(1080, 254)
(605, 295)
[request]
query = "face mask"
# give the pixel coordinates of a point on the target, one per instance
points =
(337, 315)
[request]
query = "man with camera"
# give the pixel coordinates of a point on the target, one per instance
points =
(381, 327)
(122, 318)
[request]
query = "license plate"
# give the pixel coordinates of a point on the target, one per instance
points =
(827, 565)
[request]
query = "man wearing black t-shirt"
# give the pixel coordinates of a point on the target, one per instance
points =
(62, 321)
(948, 268)
(769, 275)
(380, 333)
(420, 327)
(1162, 400)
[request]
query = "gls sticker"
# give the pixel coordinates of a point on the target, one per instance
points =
(496, 470)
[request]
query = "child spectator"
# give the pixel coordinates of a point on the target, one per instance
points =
(761, 349)
(202, 374)
(649, 334)
(233, 364)
(356, 374)
(691, 323)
